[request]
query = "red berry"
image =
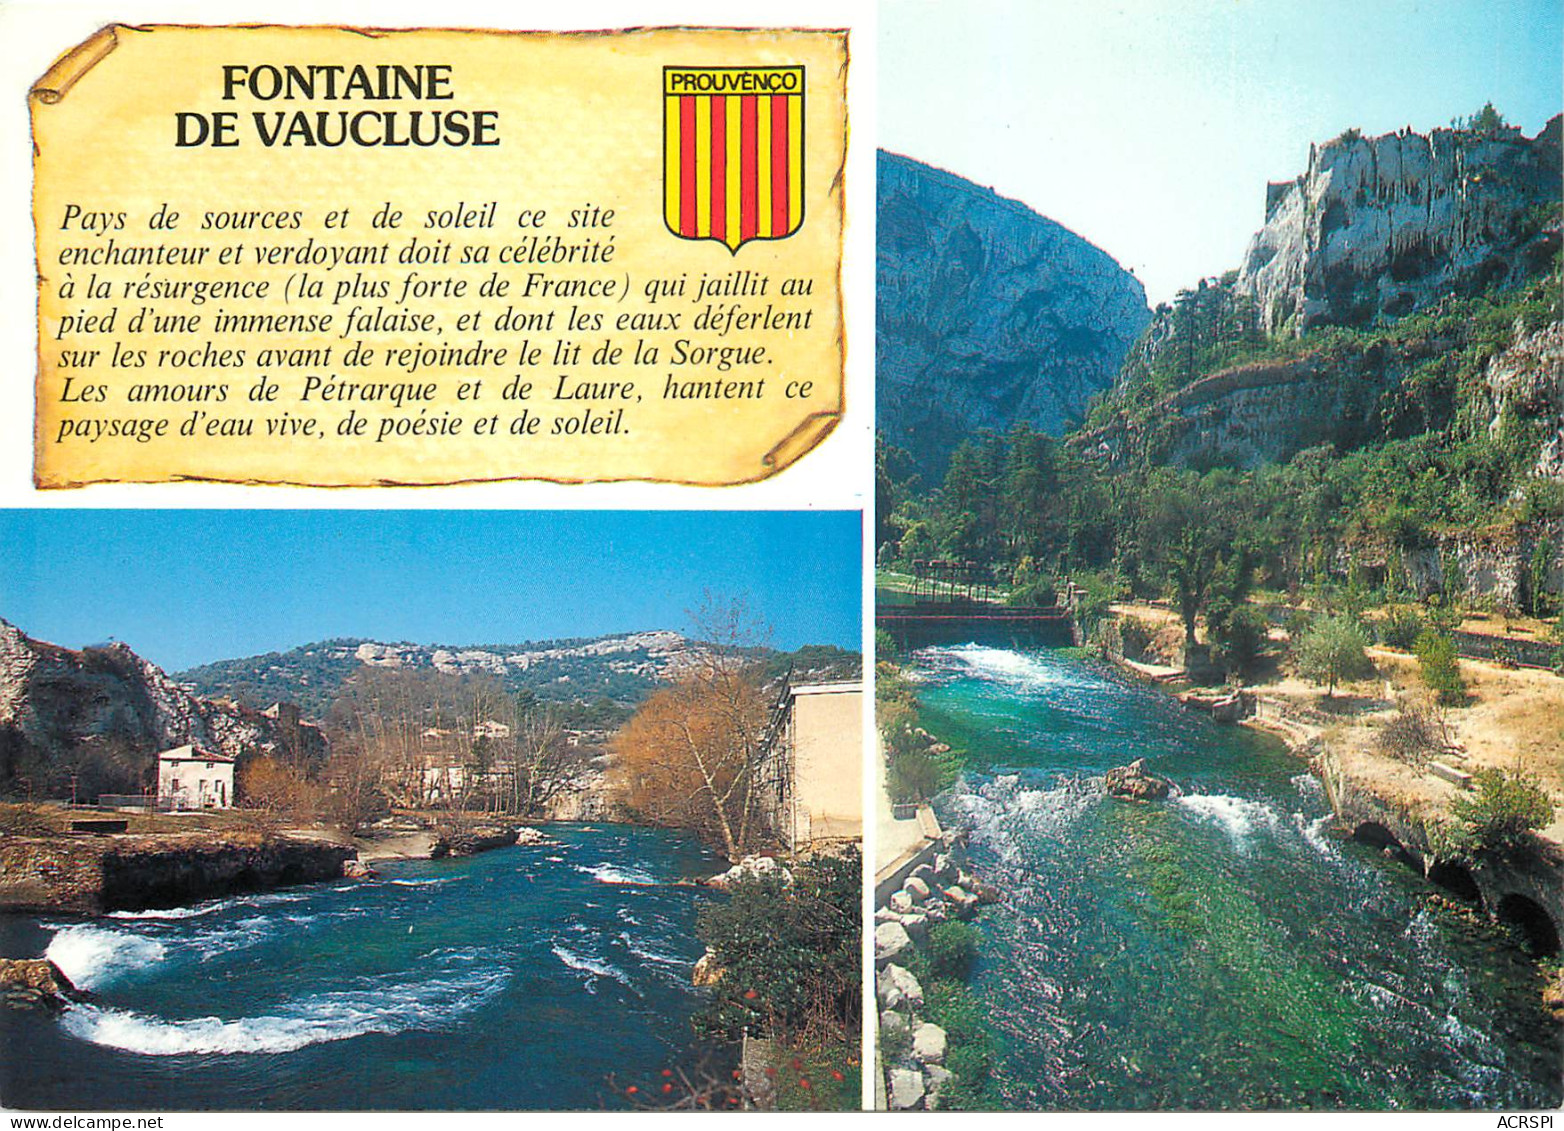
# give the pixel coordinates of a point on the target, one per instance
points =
(631, 1090)
(835, 1075)
(750, 995)
(667, 1088)
(667, 1072)
(803, 1082)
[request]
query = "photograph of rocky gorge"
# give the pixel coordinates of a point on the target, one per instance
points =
(283, 828)
(1220, 557)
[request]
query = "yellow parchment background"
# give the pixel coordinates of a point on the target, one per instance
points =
(581, 123)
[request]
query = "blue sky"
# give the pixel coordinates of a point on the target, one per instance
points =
(184, 587)
(1151, 127)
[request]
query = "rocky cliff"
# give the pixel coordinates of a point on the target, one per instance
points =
(1376, 228)
(104, 713)
(987, 313)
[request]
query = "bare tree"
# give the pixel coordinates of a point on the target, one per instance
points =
(693, 754)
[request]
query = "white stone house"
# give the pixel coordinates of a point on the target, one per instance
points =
(191, 778)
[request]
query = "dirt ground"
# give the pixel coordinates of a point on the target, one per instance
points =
(1514, 718)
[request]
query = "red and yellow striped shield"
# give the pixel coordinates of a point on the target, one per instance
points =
(733, 152)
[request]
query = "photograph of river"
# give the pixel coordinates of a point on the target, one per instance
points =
(362, 995)
(1219, 555)
(430, 810)
(1222, 949)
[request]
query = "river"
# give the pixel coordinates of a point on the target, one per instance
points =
(1221, 950)
(519, 978)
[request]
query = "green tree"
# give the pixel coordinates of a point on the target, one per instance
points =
(1504, 807)
(1332, 650)
(1441, 670)
(1486, 120)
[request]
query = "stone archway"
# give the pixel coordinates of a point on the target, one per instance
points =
(1532, 920)
(1376, 835)
(1456, 879)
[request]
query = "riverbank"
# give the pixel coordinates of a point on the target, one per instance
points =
(1220, 949)
(86, 874)
(48, 865)
(429, 988)
(1406, 808)
(933, 1049)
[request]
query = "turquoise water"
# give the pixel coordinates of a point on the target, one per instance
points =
(1224, 949)
(519, 978)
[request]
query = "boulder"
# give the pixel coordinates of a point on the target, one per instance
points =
(925, 874)
(897, 986)
(945, 868)
(916, 926)
(900, 902)
(706, 972)
(936, 1079)
(892, 1024)
(891, 942)
(750, 867)
(37, 984)
(469, 841)
(906, 1089)
(886, 915)
(916, 888)
(928, 1043)
(963, 902)
(1135, 783)
(357, 870)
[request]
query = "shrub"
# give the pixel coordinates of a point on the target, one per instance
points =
(1505, 807)
(1401, 628)
(1332, 650)
(952, 949)
(789, 953)
(917, 775)
(1441, 671)
(884, 645)
(1417, 733)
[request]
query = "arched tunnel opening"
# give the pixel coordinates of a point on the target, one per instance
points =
(1455, 879)
(1531, 921)
(1375, 835)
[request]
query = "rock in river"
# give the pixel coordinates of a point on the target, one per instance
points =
(35, 983)
(1135, 783)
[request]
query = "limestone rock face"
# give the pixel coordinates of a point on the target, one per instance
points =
(54, 700)
(987, 313)
(1526, 382)
(1379, 227)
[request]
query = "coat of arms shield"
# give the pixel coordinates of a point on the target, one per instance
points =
(733, 153)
